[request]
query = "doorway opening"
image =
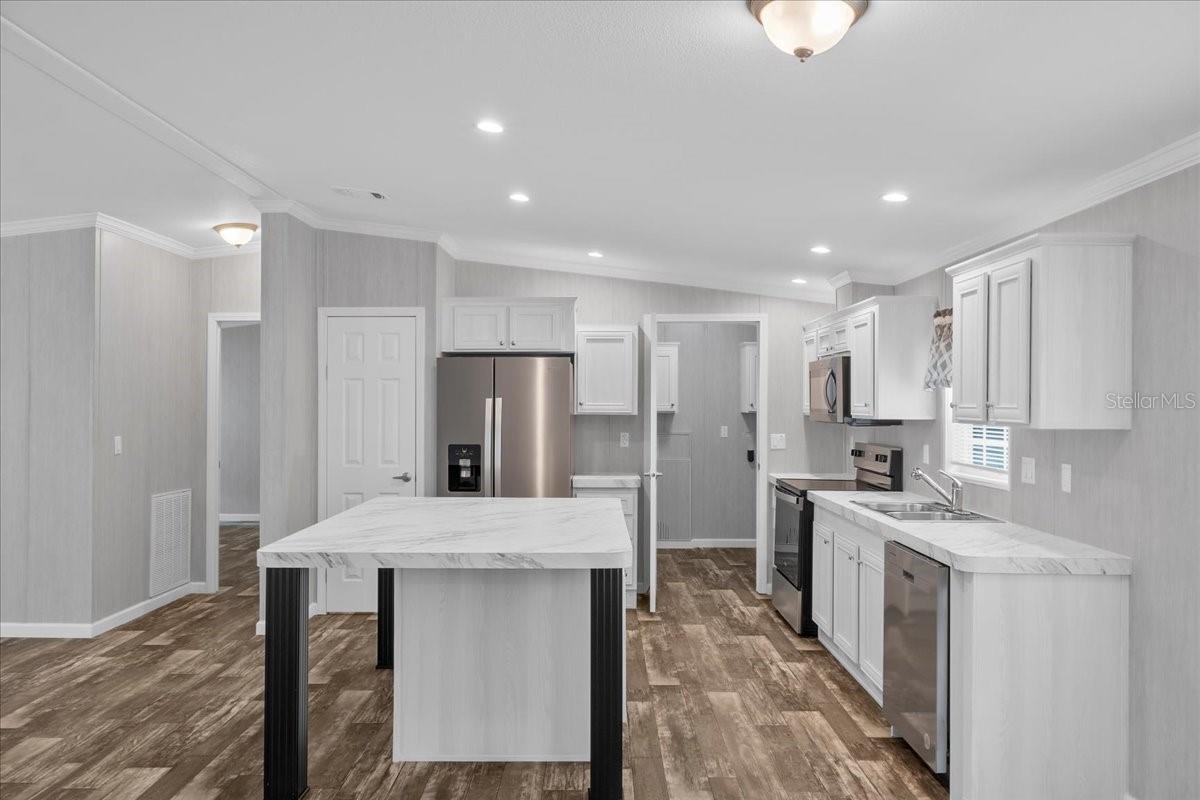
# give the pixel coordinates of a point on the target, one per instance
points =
(232, 437)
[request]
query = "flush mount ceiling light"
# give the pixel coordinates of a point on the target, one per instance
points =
(805, 28)
(519, 197)
(799, 280)
(819, 249)
(236, 233)
(595, 254)
(895, 197)
(489, 126)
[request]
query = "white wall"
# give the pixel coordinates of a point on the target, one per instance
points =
(240, 365)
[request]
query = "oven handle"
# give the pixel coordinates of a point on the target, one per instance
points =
(787, 497)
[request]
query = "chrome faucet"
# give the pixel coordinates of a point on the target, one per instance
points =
(953, 497)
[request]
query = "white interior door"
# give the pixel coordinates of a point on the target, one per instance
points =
(370, 430)
(650, 472)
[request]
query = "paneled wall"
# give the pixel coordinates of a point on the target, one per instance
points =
(1132, 491)
(47, 353)
(240, 366)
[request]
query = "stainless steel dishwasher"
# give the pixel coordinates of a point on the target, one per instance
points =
(916, 652)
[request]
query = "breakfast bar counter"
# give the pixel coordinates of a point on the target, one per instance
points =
(503, 619)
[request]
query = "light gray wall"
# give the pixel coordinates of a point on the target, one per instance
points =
(240, 364)
(47, 361)
(1132, 491)
(722, 480)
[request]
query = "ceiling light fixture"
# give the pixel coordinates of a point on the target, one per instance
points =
(595, 254)
(519, 197)
(895, 197)
(489, 126)
(819, 249)
(236, 233)
(799, 280)
(805, 28)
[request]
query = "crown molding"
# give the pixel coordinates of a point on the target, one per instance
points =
(1041, 240)
(28, 227)
(839, 280)
(104, 222)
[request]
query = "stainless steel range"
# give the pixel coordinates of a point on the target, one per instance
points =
(878, 468)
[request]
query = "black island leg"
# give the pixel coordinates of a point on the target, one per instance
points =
(285, 688)
(385, 607)
(608, 634)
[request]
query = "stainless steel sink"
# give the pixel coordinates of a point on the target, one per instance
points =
(924, 512)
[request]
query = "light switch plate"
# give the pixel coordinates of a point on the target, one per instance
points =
(1027, 474)
(924, 454)
(118, 446)
(1066, 478)
(724, 431)
(778, 441)
(624, 438)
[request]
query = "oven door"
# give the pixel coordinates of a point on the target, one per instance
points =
(788, 511)
(828, 389)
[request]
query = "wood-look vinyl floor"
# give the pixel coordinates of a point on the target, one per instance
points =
(724, 702)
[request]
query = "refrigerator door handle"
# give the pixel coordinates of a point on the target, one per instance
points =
(498, 460)
(487, 447)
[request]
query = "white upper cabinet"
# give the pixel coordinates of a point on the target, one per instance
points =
(968, 374)
(606, 370)
(862, 365)
(507, 324)
(810, 355)
(666, 377)
(748, 353)
(833, 338)
(1043, 333)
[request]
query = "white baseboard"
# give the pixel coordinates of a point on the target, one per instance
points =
(698, 543)
(85, 630)
(260, 627)
(239, 519)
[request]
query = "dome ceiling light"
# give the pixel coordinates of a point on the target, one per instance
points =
(806, 28)
(236, 233)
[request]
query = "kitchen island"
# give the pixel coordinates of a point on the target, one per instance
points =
(502, 617)
(1038, 650)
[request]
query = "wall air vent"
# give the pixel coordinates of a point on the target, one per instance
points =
(359, 194)
(170, 540)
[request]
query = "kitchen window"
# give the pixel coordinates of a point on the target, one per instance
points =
(976, 453)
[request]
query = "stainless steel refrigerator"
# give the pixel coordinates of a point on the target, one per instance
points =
(504, 426)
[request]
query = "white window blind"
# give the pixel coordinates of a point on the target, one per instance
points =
(982, 446)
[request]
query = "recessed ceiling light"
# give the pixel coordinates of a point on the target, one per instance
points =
(519, 197)
(489, 126)
(895, 197)
(799, 280)
(819, 249)
(595, 254)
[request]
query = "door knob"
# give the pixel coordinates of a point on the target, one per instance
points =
(403, 476)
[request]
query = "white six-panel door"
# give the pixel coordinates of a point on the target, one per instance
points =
(370, 430)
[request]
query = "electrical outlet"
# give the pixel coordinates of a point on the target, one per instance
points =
(118, 446)
(779, 441)
(724, 431)
(1066, 478)
(624, 438)
(1027, 474)
(925, 454)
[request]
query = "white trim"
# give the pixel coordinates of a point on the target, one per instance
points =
(324, 313)
(105, 222)
(839, 280)
(1039, 240)
(243, 519)
(212, 439)
(697, 544)
(85, 630)
(260, 627)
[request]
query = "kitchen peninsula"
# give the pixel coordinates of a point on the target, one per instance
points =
(502, 616)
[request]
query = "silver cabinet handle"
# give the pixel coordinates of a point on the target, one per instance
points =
(500, 342)
(513, 343)
(990, 404)
(954, 405)
(403, 476)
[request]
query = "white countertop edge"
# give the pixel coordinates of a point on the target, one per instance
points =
(326, 559)
(606, 481)
(928, 538)
(811, 476)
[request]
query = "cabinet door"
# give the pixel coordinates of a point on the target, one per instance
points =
(824, 341)
(845, 596)
(606, 372)
(749, 377)
(535, 327)
(870, 617)
(810, 355)
(969, 372)
(840, 337)
(666, 377)
(822, 577)
(862, 365)
(478, 327)
(1008, 343)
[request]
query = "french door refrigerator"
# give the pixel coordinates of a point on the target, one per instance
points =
(504, 426)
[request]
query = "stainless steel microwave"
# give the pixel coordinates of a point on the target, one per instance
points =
(829, 389)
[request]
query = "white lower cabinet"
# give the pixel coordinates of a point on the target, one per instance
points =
(628, 495)
(822, 577)
(870, 616)
(845, 595)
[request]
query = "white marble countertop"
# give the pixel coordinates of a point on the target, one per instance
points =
(995, 547)
(811, 476)
(463, 533)
(606, 481)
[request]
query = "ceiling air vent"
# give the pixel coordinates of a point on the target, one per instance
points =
(359, 194)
